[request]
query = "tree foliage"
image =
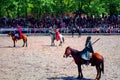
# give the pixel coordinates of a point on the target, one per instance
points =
(20, 8)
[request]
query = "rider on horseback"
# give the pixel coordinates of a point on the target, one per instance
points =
(55, 35)
(51, 30)
(19, 34)
(87, 50)
(19, 31)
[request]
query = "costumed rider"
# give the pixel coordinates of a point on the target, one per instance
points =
(52, 35)
(51, 30)
(19, 34)
(58, 36)
(87, 50)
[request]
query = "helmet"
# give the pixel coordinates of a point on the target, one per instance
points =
(89, 37)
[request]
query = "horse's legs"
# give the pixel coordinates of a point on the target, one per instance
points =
(52, 39)
(81, 72)
(23, 42)
(80, 75)
(26, 42)
(14, 43)
(60, 43)
(63, 39)
(98, 72)
(79, 33)
(78, 72)
(72, 33)
(52, 42)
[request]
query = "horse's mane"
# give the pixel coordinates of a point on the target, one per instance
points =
(12, 33)
(74, 50)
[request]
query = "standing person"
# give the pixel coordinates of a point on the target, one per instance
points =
(72, 26)
(52, 35)
(87, 50)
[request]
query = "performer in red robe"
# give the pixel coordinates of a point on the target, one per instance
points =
(57, 34)
(19, 31)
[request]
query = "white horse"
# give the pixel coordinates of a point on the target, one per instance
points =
(53, 38)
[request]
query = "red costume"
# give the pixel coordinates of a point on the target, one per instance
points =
(57, 34)
(20, 31)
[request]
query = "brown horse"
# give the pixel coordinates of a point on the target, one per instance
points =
(15, 38)
(96, 60)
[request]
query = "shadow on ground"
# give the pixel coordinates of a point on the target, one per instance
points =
(10, 47)
(67, 78)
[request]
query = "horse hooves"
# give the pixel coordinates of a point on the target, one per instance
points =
(60, 45)
(97, 79)
(78, 77)
(52, 44)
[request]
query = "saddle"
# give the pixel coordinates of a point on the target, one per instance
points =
(86, 58)
(91, 60)
(17, 36)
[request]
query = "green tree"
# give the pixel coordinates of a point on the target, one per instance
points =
(19, 8)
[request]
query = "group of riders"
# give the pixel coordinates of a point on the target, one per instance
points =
(85, 52)
(55, 32)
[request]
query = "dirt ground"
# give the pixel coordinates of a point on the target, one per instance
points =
(40, 61)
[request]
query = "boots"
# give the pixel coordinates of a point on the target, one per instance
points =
(87, 62)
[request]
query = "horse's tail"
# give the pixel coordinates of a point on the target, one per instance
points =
(102, 66)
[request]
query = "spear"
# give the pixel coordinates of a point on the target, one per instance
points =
(96, 41)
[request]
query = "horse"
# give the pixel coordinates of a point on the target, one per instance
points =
(53, 38)
(15, 38)
(96, 60)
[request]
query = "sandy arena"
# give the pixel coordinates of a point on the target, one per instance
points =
(40, 61)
